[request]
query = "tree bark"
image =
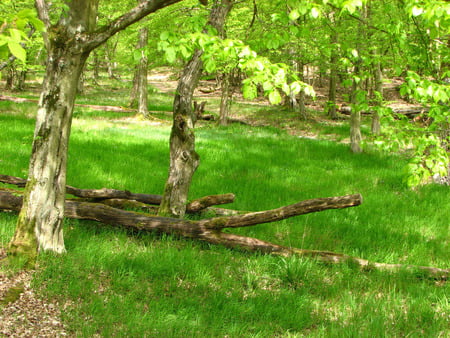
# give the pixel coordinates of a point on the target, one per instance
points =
(225, 98)
(332, 106)
(39, 223)
(210, 230)
(378, 78)
(68, 44)
(355, 131)
(143, 72)
(184, 160)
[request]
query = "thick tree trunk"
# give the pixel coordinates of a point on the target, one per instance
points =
(210, 230)
(184, 160)
(39, 225)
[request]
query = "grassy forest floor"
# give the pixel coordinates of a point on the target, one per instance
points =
(116, 282)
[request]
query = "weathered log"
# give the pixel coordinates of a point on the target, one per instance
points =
(209, 230)
(194, 206)
(410, 112)
(207, 201)
(121, 203)
(118, 195)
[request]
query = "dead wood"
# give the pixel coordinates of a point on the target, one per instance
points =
(207, 201)
(209, 230)
(117, 198)
(409, 112)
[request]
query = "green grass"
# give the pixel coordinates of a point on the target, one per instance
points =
(123, 283)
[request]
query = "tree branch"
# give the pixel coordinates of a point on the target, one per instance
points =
(42, 10)
(143, 9)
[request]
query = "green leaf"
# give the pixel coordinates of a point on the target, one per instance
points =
(18, 51)
(16, 34)
(210, 65)
(249, 90)
(274, 97)
(267, 86)
(184, 52)
(171, 54)
(164, 35)
(416, 11)
(136, 55)
(294, 15)
(295, 87)
(315, 13)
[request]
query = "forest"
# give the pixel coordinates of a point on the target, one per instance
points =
(229, 168)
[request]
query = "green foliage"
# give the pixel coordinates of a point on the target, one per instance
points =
(13, 32)
(223, 55)
(429, 142)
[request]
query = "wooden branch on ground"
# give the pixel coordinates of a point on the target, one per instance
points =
(410, 112)
(124, 198)
(209, 230)
(195, 206)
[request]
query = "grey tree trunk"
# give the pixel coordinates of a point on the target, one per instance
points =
(142, 73)
(68, 45)
(184, 160)
(39, 225)
(332, 106)
(225, 98)
(355, 119)
(378, 78)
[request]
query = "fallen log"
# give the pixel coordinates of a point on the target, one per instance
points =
(409, 112)
(209, 230)
(119, 196)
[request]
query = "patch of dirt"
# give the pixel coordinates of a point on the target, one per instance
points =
(23, 313)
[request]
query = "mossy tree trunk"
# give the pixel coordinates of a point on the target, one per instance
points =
(39, 225)
(184, 160)
(68, 44)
